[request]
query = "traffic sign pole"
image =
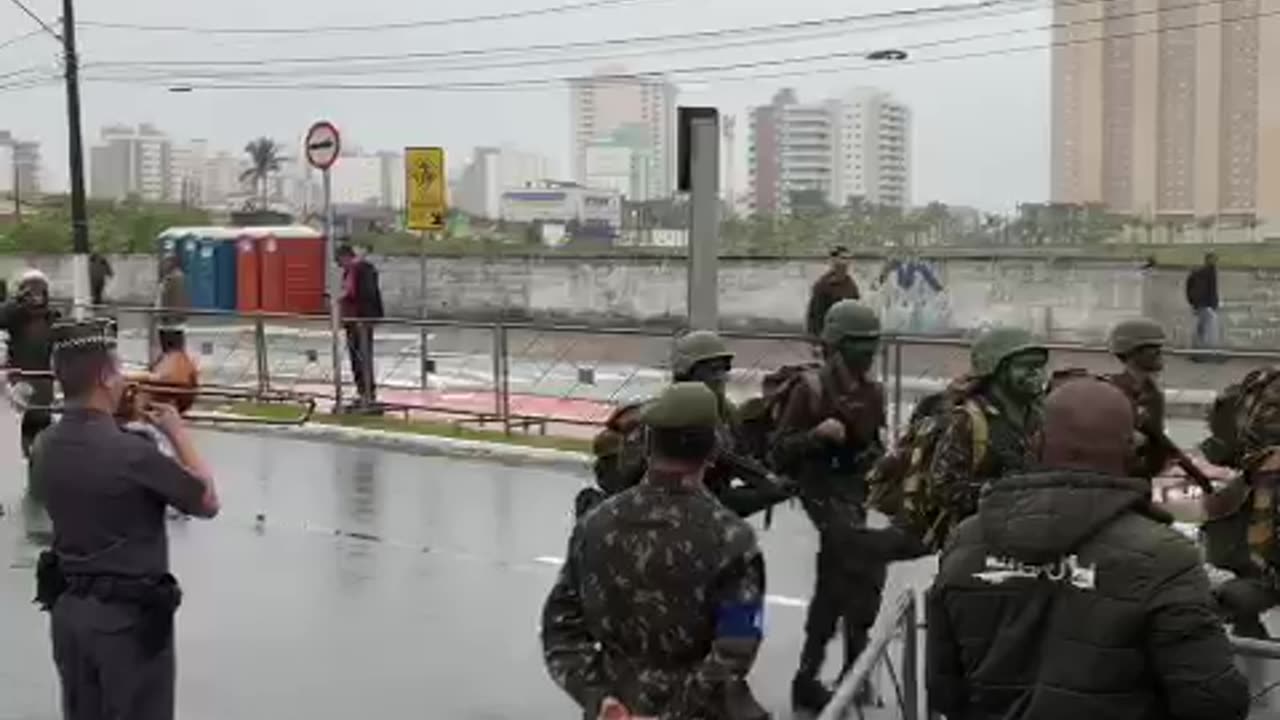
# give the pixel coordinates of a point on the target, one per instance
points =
(322, 147)
(334, 285)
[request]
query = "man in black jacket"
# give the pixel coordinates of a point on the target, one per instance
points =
(361, 305)
(1202, 296)
(1069, 596)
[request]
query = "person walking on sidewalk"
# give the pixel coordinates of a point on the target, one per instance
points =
(361, 306)
(1202, 296)
(836, 284)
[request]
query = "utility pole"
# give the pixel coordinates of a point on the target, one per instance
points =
(75, 148)
(17, 188)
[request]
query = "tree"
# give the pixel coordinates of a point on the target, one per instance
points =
(264, 159)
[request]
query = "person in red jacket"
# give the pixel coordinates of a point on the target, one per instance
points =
(361, 305)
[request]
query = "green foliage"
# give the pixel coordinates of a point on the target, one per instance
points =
(124, 228)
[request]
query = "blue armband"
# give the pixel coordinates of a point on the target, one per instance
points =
(740, 620)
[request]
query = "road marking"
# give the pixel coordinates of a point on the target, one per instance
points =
(549, 560)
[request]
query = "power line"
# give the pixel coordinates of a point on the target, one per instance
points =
(401, 64)
(23, 71)
(36, 17)
(522, 83)
(585, 44)
(435, 22)
(19, 38)
(534, 83)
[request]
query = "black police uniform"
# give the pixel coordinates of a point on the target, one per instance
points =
(106, 581)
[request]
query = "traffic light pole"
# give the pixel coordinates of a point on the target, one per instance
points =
(75, 149)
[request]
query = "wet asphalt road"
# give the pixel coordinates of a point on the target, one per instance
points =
(379, 585)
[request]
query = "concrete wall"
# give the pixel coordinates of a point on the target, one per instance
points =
(1067, 299)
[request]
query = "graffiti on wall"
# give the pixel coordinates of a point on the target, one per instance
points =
(912, 298)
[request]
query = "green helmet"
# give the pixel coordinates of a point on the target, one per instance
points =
(692, 348)
(684, 405)
(849, 319)
(1130, 335)
(995, 345)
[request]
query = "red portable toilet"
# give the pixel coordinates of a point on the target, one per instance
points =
(304, 267)
(271, 264)
(248, 275)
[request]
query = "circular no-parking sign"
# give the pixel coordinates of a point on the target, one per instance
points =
(322, 145)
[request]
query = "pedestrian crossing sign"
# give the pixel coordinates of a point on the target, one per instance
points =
(424, 195)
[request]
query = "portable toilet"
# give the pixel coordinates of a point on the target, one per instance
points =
(200, 272)
(248, 258)
(224, 274)
(304, 263)
(271, 274)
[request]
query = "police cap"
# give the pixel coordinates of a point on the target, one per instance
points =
(81, 336)
(683, 406)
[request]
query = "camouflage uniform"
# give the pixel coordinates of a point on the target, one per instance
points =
(1241, 532)
(660, 601)
(956, 475)
(830, 481)
(621, 453)
(1146, 396)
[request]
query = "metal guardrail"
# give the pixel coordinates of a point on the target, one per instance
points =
(510, 362)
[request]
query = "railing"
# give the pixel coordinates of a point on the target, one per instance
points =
(527, 376)
(900, 627)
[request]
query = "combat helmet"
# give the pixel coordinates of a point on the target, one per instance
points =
(1130, 335)
(683, 406)
(695, 347)
(997, 344)
(849, 319)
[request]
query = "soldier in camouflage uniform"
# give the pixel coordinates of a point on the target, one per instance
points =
(828, 437)
(700, 356)
(1243, 517)
(1002, 416)
(658, 608)
(1139, 344)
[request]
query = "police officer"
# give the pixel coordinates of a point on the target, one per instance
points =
(1139, 344)
(1069, 596)
(106, 580)
(27, 318)
(742, 484)
(829, 435)
(657, 610)
(988, 436)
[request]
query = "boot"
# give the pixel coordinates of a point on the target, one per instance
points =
(808, 694)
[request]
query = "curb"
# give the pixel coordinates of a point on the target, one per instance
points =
(416, 444)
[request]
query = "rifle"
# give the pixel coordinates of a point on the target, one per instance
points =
(768, 490)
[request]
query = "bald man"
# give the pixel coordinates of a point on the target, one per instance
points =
(1069, 595)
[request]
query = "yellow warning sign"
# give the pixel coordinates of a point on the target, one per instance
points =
(424, 188)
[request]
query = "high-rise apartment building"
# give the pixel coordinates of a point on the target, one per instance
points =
(611, 101)
(1168, 109)
(857, 145)
(19, 165)
(133, 162)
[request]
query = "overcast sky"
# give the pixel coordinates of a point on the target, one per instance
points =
(981, 111)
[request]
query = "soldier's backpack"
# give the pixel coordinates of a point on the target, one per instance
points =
(1230, 413)
(898, 485)
(758, 417)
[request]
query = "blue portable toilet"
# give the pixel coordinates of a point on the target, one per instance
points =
(201, 274)
(224, 260)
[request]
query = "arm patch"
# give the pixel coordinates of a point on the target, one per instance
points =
(740, 620)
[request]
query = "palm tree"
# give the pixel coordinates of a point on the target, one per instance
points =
(264, 159)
